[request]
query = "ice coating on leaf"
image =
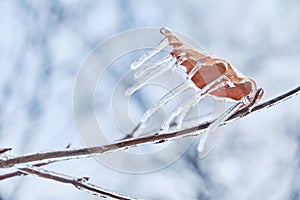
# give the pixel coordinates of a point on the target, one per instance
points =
(211, 76)
(195, 69)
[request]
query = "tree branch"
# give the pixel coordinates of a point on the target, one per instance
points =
(19, 173)
(79, 183)
(152, 139)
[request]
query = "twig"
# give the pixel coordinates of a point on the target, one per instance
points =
(268, 104)
(80, 183)
(11, 174)
(19, 173)
(152, 139)
(4, 150)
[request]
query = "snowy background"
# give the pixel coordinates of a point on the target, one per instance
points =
(43, 43)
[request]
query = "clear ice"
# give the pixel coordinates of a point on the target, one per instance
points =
(211, 136)
(165, 65)
(164, 100)
(153, 66)
(136, 64)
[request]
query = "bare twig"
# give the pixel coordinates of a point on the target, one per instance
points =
(19, 173)
(11, 174)
(4, 150)
(80, 183)
(152, 139)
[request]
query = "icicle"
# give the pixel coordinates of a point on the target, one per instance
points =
(186, 109)
(173, 68)
(168, 97)
(211, 135)
(136, 64)
(166, 126)
(181, 112)
(153, 66)
(193, 101)
(149, 76)
(211, 140)
(138, 129)
(153, 74)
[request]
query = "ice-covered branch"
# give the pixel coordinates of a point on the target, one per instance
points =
(152, 139)
(80, 183)
(19, 173)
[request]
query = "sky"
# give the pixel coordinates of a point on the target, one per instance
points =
(44, 44)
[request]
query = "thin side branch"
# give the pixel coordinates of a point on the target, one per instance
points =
(11, 174)
(152, 139)
(79, 183)
(4, 150)
(20, 173)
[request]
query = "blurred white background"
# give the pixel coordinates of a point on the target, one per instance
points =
(43, 43)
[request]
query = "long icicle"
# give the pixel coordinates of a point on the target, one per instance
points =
(211, 130)
(164, 100)
(153, 66)
(136, 64)
(149, 76)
